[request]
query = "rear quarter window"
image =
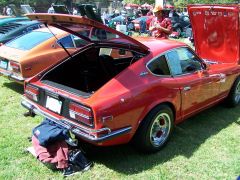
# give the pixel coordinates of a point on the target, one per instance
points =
(159, 66)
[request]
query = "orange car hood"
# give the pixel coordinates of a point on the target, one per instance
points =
(216, 32)
(12, 53)
(67, 22)
(3, 16)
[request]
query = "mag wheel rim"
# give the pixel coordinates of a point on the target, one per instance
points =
(237, 93)
(160, 129)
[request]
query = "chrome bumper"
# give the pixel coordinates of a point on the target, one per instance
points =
(80, 131)
(12, 76)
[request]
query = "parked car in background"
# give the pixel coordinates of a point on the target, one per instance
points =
(6, 20)
(108, 101)
(142, 21)
(12, 30)
(117, 20)
(179, 23)
(29, 54)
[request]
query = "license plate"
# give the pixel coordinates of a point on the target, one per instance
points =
(3, 64)
(53, 104)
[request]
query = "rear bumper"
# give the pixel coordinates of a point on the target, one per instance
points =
(12, 76)
(80, 131)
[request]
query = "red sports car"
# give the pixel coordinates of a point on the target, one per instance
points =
(150, 85)
(143, 19)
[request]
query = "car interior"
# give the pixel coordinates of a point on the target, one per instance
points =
(90, 70)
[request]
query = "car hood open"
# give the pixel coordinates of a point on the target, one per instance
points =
(98, 32)
(216, 32)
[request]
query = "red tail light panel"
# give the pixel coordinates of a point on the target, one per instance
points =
(81, 113)
(32, 92)
(15, 67)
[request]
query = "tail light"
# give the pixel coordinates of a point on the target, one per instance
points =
(32, 92)
(81, 113)
(15, 66)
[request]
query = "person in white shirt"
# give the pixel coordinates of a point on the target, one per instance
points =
(9, 11)
(75, 12)
(51, 9)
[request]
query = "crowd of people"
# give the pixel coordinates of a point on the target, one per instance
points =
(160, 27)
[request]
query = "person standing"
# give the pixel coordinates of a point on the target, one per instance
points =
(9, 11)
(51, 9)
(4, 13)
(75, 12)
(160, 26)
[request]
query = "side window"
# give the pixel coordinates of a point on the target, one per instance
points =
(183, 61)
(159, 66)
(116, 53)
(79, 42)
(66, 42)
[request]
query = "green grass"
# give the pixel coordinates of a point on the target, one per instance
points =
(206, 146)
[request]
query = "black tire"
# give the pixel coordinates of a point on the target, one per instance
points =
(233, 98)
(144, 137)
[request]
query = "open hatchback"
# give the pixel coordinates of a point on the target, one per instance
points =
(106, 53)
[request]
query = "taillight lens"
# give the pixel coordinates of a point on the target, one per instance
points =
(81, 113)
(15, 66)
(32, 92)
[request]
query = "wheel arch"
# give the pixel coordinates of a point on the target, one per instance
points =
(167, 103)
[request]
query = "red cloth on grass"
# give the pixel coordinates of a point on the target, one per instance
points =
(56, 153)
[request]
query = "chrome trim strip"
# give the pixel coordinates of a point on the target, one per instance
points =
(82, 132)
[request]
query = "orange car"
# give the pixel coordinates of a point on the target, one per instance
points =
(29, 54)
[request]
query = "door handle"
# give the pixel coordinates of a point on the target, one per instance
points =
(186, 88)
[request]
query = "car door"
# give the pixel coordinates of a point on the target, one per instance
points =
(198, 88)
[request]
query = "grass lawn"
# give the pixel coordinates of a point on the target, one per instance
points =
(206, 146)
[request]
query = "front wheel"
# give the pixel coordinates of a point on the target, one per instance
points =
(233, 98)
(155, 130)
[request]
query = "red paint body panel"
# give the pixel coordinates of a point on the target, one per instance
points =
(216, 31)
(126, 99)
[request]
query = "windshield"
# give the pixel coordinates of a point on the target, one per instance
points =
(36, 37)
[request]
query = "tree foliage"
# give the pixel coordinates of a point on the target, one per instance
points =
(183, 3)
(139, 1)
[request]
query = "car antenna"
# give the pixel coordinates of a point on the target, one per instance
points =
(58, 41)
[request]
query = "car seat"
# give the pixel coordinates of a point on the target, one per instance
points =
(108, 66)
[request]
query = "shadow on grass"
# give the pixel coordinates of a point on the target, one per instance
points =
(186, 139)
(18, 88)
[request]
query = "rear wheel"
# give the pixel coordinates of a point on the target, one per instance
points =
(155, 129)
(233, 98)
